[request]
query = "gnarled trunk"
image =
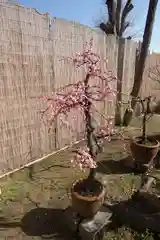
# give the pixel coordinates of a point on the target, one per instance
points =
(90, 129)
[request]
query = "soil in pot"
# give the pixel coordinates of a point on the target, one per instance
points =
(144, 151)
(87, 197)
(147, 142)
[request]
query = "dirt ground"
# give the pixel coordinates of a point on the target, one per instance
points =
(33, 199)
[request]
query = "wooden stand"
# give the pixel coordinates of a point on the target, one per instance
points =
(90, 229)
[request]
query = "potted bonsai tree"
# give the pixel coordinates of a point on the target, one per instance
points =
(144, 148)
(87, 194)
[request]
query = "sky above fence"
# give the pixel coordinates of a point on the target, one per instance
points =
(89, 12)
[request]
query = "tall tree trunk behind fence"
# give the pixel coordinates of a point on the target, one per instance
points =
(142, 59)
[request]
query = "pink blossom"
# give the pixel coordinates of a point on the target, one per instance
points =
(73, 96)
(107, 130)
(83, 159)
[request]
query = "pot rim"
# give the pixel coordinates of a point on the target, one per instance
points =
(85, 198)
(134, 139)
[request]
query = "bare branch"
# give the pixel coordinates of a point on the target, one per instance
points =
(127, 9)
(111, 11)
(154, 73)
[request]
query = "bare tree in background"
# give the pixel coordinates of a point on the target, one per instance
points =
(138, 78)
(118, 22)
(154, 75)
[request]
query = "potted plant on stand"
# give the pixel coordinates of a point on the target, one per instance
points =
(87, 194)
(144, 149)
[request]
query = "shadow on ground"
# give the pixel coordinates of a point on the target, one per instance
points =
(137, 215)
(121, 166)
(45, 222)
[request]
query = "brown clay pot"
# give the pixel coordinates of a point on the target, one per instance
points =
(155, 137)
(144, 153)
(87, 206)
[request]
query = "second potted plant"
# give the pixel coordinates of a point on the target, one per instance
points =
(144, 148)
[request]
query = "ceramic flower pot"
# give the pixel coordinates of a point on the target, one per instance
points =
(144, 153)
(87, 199)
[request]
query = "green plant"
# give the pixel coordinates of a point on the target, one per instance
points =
(146, 235)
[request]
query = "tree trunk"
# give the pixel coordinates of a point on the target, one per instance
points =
(143, 55)
(144, 137)
(118, 16)
(90, 129)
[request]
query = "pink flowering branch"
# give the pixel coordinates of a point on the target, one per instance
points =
(83, 159)
(82, 96)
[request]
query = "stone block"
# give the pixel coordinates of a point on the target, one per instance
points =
(91, 229)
